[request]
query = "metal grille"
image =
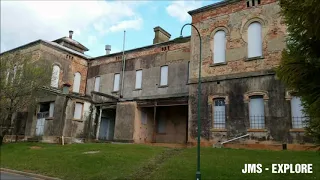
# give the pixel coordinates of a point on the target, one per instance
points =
(219, 120)
(257, 122)
(299, 122)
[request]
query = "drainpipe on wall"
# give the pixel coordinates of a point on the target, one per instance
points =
(123, 65)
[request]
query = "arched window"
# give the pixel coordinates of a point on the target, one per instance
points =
(219, 47)
(55, 76)
(76, 82)
(254, 40)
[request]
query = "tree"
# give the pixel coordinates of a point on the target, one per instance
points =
(300, 64)
(21, 76)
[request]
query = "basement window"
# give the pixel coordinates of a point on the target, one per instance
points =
(219, 114)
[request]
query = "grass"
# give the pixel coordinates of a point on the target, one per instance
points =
(131, 161)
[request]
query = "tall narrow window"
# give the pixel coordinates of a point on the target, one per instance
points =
(256, 112)
(51, 109)
(78, 111)
(188, 71)
(298, 116)
(55, 76)
(116, 82)
(219, 114)
(97, 84)
(138, 79)
(219, 47)
(164, 76)
(254, 40)
(76, 82)
(161, 123)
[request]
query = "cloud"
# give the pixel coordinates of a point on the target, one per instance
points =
(26, 21)
(179, 9)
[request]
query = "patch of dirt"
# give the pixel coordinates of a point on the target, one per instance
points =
(35, 147)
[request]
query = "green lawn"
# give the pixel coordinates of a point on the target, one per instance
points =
(130, 161)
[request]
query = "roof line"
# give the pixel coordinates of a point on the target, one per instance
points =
(212, 6)
(139, 48)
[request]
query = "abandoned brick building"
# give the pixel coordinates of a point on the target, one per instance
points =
(149, 95)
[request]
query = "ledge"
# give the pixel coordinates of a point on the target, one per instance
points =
(254, 58)
(297, 130)
(79, 120)
(218, 130)
(137, 89)
(218, 64)
(114, 92)
(163, 86)
(256, 130)
(49, 118)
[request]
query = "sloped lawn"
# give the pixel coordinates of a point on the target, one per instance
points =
(131, 161)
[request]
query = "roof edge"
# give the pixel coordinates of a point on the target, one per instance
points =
(212, 6)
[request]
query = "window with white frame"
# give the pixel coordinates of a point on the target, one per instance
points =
(78, 111)
(219, 47)
(297, 115)
(254, 40)
(51, 109)
(76, 82)
(164, 76)
(97, 84)
(256, 112)
(116, 82)
(138, 79)
(219, 113)
(55, 76)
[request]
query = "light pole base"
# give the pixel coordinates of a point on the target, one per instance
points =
(198, 175)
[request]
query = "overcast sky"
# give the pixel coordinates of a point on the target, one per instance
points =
(95, 23)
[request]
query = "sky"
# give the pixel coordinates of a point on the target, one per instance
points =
(95, 23)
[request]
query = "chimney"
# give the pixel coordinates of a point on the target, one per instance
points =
(160, 35)
(108, 49)
(70, 34)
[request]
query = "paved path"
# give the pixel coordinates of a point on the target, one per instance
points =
(9, 176)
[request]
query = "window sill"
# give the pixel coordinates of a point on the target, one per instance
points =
(162, 86)
(256, 130)
(137, 89)
(79, 120)
(219, 130)
(297, 130)
(218, 64)
(114, 92)
(254, 58)
(49, 118)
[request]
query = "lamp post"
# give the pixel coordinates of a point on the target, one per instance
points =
(198, 173)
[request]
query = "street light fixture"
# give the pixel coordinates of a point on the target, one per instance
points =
(180, 39)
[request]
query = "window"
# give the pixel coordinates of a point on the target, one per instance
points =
(51, 109)
(219, 47)
(254, 40)
(164, 76)
(219, 114)
(55, 76)
(116, 82)
(97, 84)
(298, 117)
(76, 82)
(78, 111)
(138, 79)
(161, 123)
(144, 117)
(256, 112)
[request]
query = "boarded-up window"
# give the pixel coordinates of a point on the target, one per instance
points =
(116, 82)
(298, 116)
(77, 111)
(256, 112)
(219, 47)
(219, 112)
(76, 82)
(51, 109)
(164, 76)
(55, 76)
(97, 84)
(138, 79)
(254, 40)
(144, 117)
